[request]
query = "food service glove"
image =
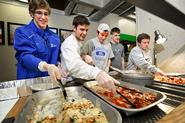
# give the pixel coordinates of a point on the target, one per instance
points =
(52, 70)
(107, 81)
(160, 72)
(107, 69)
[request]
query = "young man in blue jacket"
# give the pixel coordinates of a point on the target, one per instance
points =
(37, 48)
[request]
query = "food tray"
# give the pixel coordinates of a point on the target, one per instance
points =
(129, 111)
(76, 92)
(176, 74)
(167, 83)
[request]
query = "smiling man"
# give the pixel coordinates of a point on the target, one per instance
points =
(71, 56)
(140, 57)
(37, 48)
(99, 49)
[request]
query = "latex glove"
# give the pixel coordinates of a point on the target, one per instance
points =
(160, 72)
(107, 81)
(88, 59)
(107, 69)
(64, 72)
(54, 72)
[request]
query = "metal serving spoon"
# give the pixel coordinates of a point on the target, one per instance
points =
(62, 88)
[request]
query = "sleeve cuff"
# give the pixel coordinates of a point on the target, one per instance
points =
(41, 66)
(95, 72)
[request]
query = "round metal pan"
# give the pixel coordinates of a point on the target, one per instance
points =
(135, 77)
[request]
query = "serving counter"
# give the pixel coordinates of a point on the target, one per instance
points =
(157, 113)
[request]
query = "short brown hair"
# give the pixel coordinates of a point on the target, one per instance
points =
(115, 29)
(80, 20)
(142, 36)
(38, 4)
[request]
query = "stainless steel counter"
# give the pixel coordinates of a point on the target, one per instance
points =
(151, 115)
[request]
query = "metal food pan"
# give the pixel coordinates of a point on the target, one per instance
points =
(167, 83)
(76, 92)
(129, 111)
(162, 84)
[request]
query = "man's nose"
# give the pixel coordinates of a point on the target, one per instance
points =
(85, 32)
(43, 16)
(104, 37)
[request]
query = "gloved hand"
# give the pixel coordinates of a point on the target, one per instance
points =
(64, 72)
(54, 72)
(107, 69)
(107, 81)
(88, 59)
(160, 72)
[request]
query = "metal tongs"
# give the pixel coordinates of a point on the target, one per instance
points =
(116, 69)
(132, 104)
(62, 88)
(131, 89)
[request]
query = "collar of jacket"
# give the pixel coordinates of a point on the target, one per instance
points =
(39, 31)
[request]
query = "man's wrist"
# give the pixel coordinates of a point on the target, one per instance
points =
(43, 66)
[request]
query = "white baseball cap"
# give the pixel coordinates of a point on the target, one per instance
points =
(103, 27)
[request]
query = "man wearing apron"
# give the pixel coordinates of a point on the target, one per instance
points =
(140, 56)
(97, 51)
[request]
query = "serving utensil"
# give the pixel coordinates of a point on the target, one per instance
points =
(62, 88)
(133, 105)
(134, 90)
(116, 69)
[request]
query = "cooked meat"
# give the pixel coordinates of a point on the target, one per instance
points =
(136, 97)
(173, 80)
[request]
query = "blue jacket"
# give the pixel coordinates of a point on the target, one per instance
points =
(32, 46)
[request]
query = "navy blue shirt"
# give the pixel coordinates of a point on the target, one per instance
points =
(32, 46)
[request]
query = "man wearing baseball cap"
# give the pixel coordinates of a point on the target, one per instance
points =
(98, 51)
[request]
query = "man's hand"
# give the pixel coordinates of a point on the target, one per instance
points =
(106, 81)
(88, 59)
(159, 72)
(54, 72)
(107, 69)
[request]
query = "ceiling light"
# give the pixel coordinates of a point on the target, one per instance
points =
(132, 16)
(25, 1)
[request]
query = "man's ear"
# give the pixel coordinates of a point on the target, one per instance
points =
(97, 32)
(31, 14)
(138, 43)
(74, 28)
